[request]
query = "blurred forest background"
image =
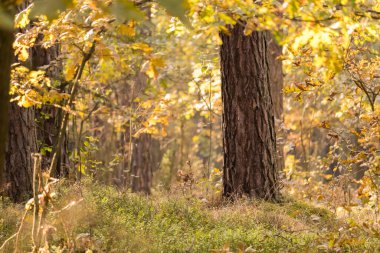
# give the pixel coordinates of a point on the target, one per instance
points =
(112, 98)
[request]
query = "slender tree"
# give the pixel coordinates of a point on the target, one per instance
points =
(145, 154)
(250, 163)
(145, 159)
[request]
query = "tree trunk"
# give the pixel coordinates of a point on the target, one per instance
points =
(6, 53)
(145, 159)
(250, 166)
(276, 82)
(27, 128)
(146, 153)
(49, 117)
(22, 142)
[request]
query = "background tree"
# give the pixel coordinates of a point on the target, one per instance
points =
(277, 83)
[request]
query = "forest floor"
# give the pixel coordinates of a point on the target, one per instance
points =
(95, 218)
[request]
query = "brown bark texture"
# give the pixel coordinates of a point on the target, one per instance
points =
(249, 137)
(27, 129)
(22, 142)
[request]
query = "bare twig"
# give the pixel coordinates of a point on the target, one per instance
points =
(36, 184)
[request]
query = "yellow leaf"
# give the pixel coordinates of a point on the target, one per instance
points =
(23, 54)
(151, 71)
(127, 30)
(227, 19)
(22, 19)
(249, 27)
(142, 46)
(158, 62)
(24, 102)
(153, 65)
(69, 73)
(319, 61)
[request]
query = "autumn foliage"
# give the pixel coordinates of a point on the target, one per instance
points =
(125, 96)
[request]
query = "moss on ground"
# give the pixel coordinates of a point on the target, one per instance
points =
(110, 221)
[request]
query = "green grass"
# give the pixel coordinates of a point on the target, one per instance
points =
(110, 221)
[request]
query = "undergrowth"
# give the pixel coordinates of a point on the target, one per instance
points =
(95, 218)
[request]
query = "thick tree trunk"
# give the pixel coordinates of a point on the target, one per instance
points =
(27, 129)
(6, 53)
(22, 142)
(250, 166)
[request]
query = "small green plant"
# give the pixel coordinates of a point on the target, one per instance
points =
(95, 217)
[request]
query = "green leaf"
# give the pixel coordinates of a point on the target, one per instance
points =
(50, 8)
(44, 150)
(176, 8)
(125, 10)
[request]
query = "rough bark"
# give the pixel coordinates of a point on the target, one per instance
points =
(27, 128)
(249, 137)
(22, 142)
(6, 53)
